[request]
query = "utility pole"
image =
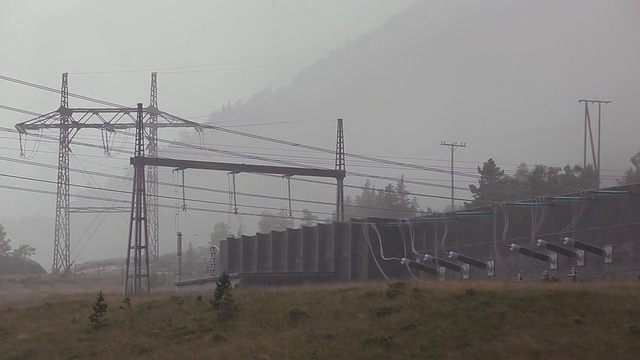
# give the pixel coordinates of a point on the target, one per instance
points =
(595, 152)
(453, 146)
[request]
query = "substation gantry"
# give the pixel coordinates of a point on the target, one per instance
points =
(138, 228)
(69, 121)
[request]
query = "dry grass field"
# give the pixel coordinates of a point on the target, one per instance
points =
(381, 320)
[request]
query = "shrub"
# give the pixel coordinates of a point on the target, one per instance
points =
(392, 293)
(127, 308)
(178, 299)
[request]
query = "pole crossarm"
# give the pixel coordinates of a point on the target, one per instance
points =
(98, 210)
(594, 101)
(237, 168)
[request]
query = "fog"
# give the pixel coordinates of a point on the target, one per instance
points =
(503, 76)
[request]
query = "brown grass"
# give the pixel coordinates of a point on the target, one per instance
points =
(381, 320)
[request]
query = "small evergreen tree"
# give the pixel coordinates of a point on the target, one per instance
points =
(99, 318)
(222, 298)
(223, 286)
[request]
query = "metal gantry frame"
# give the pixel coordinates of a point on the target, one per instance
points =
(138, 228)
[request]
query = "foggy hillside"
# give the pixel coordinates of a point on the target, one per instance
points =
(503, 77)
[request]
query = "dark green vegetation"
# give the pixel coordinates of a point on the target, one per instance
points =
(632, 175)
(541, 180)
(385, 320)
(392, 201)
(16, 261)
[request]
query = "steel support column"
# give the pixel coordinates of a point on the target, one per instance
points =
(138, 226)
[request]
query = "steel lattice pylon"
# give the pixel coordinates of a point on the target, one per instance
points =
(69, 121)
(152, 171)
(61, 246)
(340, 165)
(138, 225)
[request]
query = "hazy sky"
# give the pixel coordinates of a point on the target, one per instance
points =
(503, 76)
(207, 53)
(210, 52)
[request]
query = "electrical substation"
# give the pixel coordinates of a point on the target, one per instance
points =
(588, 234)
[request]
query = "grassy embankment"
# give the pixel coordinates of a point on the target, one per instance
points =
(383, 320)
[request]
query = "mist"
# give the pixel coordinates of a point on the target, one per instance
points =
(504, 77)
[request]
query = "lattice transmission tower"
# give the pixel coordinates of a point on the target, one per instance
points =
(108, 119)
(340, 165)
(152, 171)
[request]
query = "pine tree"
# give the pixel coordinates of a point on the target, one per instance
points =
(223, 286)
(99, 318)
(222, 298)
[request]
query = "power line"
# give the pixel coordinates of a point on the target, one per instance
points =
(235, 154)
(261, 196)
(57, 91)
(27, 112)
(240, 133)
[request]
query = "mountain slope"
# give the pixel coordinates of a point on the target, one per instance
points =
(468, 72)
